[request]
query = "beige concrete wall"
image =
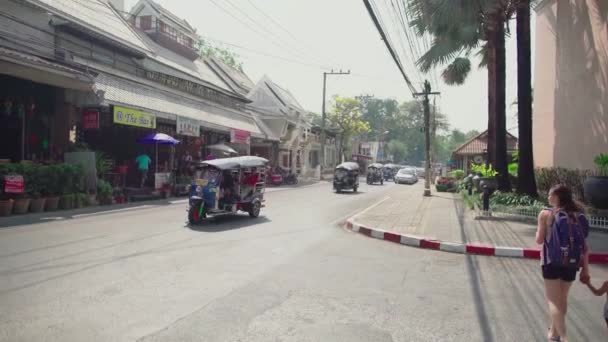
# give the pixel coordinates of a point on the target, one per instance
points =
(571, 83)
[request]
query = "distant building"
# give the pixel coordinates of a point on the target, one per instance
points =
(475, 151)
(571, 83)
(165, 28)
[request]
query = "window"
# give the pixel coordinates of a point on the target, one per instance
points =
(162, 26)
(145, 22)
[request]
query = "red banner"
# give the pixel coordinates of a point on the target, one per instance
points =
(238, 136)
(14, 184)
(90, 119)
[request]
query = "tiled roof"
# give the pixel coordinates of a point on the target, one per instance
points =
(285, 96)
(136, 95)
(15, 55)
(237, 80)
(479, 144)
(94, 15)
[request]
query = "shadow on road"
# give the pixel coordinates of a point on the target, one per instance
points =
(227, 222)
(52, 216)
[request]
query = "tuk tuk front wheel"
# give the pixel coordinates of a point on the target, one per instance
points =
(254, 211)
(355, 188)
(194, 214)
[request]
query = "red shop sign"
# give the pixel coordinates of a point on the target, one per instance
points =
(90, 119)
(14, 184)
(238, 136)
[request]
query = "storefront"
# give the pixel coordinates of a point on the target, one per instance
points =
(115, 131)
(36, 121)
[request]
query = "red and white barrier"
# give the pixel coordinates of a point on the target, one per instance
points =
(454, 247)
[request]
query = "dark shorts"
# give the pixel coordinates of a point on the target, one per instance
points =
(558, 272)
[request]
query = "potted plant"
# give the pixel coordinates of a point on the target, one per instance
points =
(104, 192)
(487, 176)
(22, 204)
(53, 186)
(596, 187)
(36, 188)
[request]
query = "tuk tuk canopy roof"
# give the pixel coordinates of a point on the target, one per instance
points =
(236, 162)
(375, 166)
(351, 166)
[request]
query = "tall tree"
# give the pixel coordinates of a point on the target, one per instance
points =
(458, 27)
(346, 115)
(526, 181)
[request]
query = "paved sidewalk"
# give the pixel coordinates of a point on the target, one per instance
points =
(444, 217)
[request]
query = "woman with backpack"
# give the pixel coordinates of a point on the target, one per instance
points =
(562, 232)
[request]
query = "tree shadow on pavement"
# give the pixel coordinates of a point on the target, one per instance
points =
(224, 223)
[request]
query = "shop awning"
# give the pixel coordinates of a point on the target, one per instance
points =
(123, 92)
(40, 70)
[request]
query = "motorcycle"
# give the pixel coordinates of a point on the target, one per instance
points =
(275, 178)
(291, 179)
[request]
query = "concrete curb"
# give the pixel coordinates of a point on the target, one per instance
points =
(456, 247)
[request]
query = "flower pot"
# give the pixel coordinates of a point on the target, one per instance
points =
(51, 203)
(66, 202)
(490, 182)
(476, 180)
(37, 205)
(596, 191)
(21, 206)
(6, 207)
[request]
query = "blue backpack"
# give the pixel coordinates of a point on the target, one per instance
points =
(567, 240)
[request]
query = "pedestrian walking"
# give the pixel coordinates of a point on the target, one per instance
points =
(143, 165)
(562, 232)
(603, 290)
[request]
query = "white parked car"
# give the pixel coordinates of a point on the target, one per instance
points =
(406, 176)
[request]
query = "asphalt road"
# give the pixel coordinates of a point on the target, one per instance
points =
(290, 275)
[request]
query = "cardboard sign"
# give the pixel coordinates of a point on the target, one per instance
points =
(14, 184)
(90, 119)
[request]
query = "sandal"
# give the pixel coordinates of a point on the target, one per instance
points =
(552, 338)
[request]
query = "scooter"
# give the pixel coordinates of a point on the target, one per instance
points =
(276, 179)
(291, 179)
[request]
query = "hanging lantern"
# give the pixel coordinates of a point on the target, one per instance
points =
(45, 144)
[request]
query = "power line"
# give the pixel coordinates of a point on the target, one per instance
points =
(380, 29)
(267, 16)
(261, 34)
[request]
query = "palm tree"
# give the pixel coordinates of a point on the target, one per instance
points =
(458, 27)
(526, 182)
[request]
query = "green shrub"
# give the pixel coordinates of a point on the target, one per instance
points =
(550, 176)
(485, 170)
(513, 169)
(514, 200)
(601, 162)
(458, 174)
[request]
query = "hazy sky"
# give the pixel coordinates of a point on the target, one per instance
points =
(315, 35)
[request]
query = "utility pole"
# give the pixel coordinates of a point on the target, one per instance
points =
(324, 116)
(427, 135)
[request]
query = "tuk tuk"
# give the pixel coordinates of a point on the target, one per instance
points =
(375, 174)
(227, 186)
(346, 177)
(389, 171)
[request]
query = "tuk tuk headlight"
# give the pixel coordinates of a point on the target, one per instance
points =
(199, 189)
